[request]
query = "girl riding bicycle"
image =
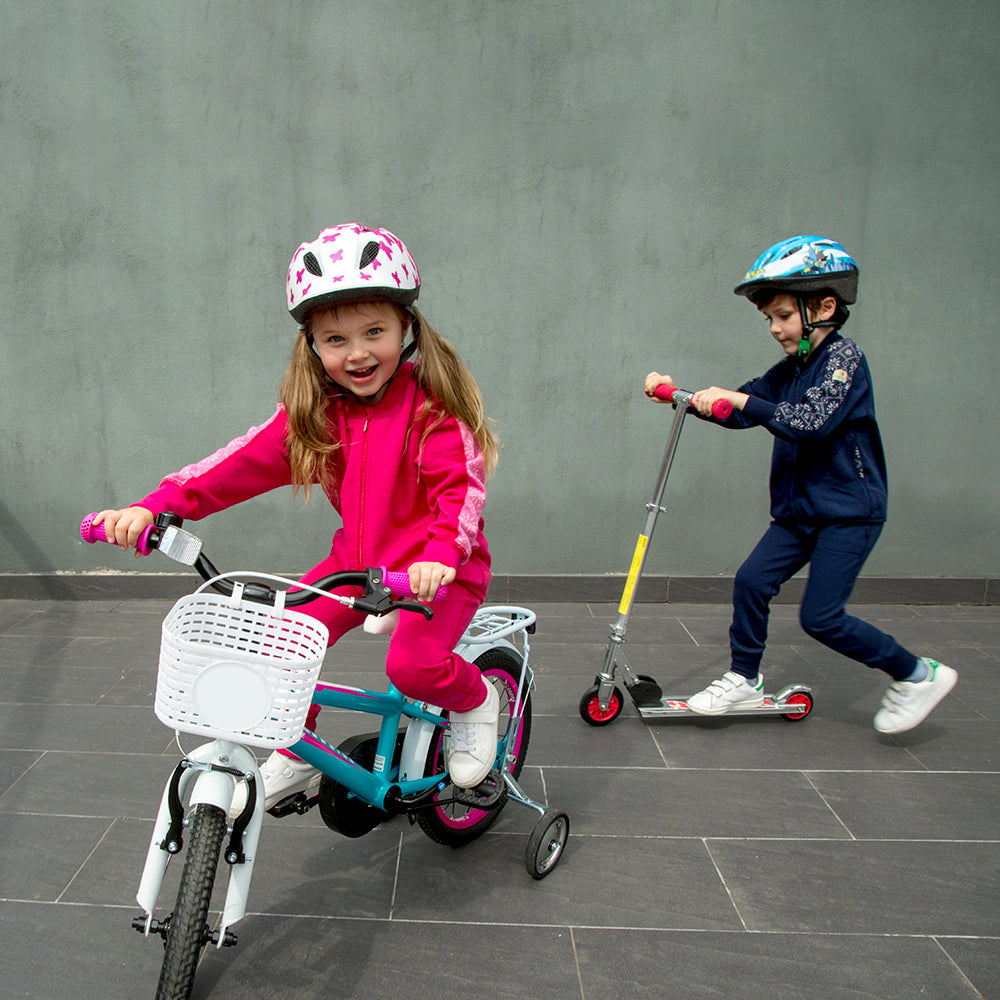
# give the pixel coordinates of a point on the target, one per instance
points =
(402, 450)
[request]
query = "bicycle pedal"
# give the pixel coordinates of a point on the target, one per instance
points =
(297, 803)
(488, 794)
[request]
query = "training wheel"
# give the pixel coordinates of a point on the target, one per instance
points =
(803, 698)
(546, 843)
(591, 711)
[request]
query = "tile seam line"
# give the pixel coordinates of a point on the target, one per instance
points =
(717, 838)
(750, 770)
(709, 838)
(552, 926)
(652, 768)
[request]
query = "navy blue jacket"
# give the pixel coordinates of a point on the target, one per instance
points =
(828, 464)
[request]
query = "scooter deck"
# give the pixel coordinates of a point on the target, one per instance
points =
(678, 706)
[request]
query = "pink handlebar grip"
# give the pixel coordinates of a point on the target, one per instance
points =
(91, 532)
(399, 583)
(721, 408)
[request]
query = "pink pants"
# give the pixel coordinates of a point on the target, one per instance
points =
(420, 661)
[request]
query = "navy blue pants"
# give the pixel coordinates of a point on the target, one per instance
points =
(836, 554)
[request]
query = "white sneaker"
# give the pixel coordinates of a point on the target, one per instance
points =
(473, 744)
(731, 690)
(282, 776)
(907, 703)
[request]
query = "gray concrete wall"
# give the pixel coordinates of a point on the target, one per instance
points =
(581, 184)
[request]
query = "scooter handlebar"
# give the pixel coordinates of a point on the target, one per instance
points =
(721, 408)
(91, 533)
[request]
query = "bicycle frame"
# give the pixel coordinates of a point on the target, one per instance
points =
(374, 786)
(210, 772)
(244, 678)
(489, 628)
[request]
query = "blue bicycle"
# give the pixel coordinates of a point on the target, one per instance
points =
(240, 665)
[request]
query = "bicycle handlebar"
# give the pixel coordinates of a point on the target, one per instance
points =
(398, 581)
(378, 583)
(721, 408)
(91, 532)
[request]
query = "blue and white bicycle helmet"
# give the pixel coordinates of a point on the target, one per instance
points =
(803, 265)
(349, 262)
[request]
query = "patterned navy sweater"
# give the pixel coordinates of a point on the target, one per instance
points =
(828, 464)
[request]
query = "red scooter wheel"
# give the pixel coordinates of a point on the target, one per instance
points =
(799, 698)
(591, 711)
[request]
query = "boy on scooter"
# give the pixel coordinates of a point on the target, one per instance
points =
(828, 483)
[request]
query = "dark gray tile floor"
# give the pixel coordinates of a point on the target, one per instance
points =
(708, 858)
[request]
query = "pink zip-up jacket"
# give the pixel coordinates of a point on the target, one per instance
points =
(403, 497)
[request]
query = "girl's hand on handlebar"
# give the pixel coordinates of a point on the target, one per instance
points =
(125, 526)
(704, 399)
(426, 577)
(654, 379)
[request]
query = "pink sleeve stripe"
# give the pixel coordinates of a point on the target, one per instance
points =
(206, 465)
(475, 494)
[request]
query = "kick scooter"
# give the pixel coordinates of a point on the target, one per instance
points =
(603, 703)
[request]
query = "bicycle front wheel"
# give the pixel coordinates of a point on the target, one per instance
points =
(455, 824)
(188, 930)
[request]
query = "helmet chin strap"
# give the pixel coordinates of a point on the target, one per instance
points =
(411, 347)
(808, 328)
(407, 352)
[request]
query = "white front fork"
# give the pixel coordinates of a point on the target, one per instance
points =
(211, 788)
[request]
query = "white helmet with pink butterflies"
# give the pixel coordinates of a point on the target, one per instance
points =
(350, 262)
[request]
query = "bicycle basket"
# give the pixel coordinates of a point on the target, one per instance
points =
(241, 672)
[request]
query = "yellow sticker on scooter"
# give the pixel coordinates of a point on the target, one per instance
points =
(633, 574)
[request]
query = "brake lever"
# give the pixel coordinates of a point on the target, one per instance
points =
(381, 603)
(377, 598)
(421, 609)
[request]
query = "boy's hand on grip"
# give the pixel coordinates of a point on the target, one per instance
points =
(653, 381)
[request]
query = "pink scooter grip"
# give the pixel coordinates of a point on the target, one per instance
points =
(91, 532)
(721, 408)
(399, 583)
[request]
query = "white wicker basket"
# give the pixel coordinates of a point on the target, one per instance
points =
(238, 671)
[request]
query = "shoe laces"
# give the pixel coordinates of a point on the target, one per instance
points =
(275, 770)
(463, 737)
(272, 769)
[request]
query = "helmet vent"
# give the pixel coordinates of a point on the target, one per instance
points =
(369, 253)
(312, 264)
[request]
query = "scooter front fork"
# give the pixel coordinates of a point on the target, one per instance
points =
(614, 660)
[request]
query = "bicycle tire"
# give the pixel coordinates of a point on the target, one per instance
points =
(187, 933)
(455, 825)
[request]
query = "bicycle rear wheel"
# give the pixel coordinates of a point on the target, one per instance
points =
(188, 930)
(455, 824)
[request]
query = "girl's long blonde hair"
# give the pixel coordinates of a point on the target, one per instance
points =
(450, 387)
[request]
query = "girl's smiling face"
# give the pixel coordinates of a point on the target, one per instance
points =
(359, 345)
